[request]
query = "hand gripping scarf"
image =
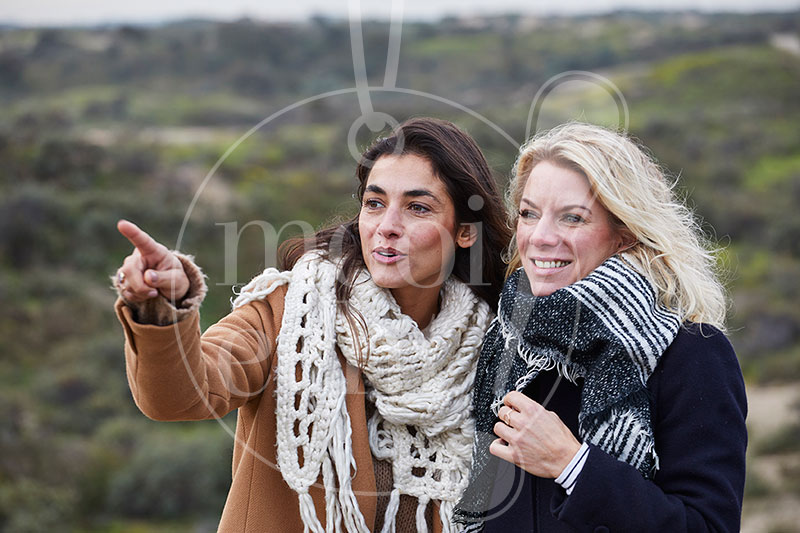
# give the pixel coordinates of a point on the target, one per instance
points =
(420, 384)
(608, 330)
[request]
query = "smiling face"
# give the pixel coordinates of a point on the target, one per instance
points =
(563, 232)
(408, 226)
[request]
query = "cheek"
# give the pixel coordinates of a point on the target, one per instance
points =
(611, 242)
(424, 238)
(365, 233)
(522, 237)
(431, 237)
(365, 229)
(595, 248)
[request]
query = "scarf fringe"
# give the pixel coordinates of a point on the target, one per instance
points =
(651, 450)
(341, 454)
(537, 362)
(333, 513)
(446, 510)
(390, 518)
(309, 514)
(647, 452)
(422, 505)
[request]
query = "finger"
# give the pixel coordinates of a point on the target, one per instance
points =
(132, 268)
(138, 297)
(143, 242)
(519, 402)
(499, 448)
(506, 415)
(503, 431)
(135, 285)
(134, 281)
(133, 262)
(160, 279)
(173, 281)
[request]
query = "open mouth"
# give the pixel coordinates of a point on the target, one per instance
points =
(386, 255)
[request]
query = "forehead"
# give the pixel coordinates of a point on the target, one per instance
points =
(400, 173)
(556, 182)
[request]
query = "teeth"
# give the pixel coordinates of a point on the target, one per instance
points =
(386, 254)
(550, 264)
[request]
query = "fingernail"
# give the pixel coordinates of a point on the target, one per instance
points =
(152, 276)
(152, 294)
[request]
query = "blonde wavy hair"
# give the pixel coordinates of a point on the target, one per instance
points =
(670, 248)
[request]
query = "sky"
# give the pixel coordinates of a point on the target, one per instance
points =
(88, 12)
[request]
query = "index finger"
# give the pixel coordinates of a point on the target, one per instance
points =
(141, 240)
(517, 400)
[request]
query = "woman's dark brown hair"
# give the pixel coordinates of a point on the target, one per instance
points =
(460, 164)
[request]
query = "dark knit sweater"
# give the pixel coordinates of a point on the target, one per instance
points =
(698, 406)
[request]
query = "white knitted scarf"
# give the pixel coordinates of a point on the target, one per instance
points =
(420, 383)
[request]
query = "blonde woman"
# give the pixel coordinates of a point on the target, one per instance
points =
(607, 397)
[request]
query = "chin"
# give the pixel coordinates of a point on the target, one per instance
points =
(386, 280)
(545, 288)
(387, 284)
(542, 292)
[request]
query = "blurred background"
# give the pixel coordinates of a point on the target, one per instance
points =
(197, 120)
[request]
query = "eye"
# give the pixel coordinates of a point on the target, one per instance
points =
(372, 203)
(528, 214)
(572, 218)
(419, 208)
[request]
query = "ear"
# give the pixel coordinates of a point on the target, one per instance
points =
(467, 235)
(627, 240)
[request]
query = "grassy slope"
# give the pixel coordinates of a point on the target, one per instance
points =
(80, 155)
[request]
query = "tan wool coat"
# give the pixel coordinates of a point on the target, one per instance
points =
(177, 373)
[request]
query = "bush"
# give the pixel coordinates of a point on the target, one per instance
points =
(785, 440)
(755, 486)
(32, 506)
(171, 476)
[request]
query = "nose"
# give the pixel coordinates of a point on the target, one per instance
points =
(544, 233)
(390, 224)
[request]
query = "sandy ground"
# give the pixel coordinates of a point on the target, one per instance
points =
(770, 408)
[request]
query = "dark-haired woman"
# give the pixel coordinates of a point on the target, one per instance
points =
(352, 369)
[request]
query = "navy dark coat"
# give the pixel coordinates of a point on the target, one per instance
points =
(698, 404)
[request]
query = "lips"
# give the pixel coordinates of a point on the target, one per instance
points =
(387, 255)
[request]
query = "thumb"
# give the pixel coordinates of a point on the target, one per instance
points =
(172, 283)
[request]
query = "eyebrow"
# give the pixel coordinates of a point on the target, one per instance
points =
(413, 193)
(563, 208)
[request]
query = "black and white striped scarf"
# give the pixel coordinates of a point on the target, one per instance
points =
(607, 330)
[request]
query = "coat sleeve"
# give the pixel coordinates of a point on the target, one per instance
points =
(699, 423)
(177, 373)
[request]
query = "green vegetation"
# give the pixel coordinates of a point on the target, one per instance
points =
(104, 123)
